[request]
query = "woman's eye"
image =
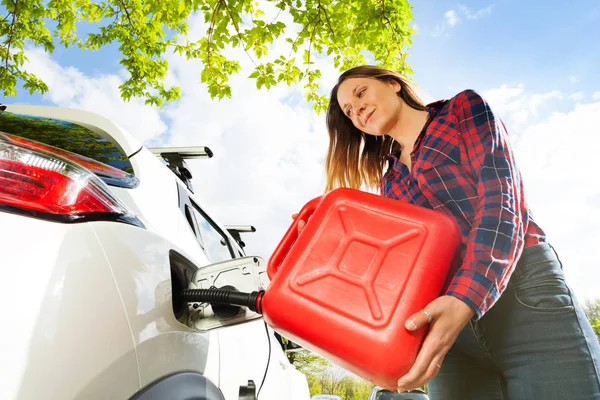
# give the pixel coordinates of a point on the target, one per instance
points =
(361, 92)
(349, 112)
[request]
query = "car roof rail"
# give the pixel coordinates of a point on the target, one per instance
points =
(236, 230)
(187, 153)
(175, 158)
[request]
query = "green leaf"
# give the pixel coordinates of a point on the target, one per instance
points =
(146, 32)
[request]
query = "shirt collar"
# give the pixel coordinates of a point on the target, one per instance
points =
(432, 109)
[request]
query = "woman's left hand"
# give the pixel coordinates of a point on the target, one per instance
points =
(449, 316)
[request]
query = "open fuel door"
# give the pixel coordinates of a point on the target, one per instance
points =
(246, 274)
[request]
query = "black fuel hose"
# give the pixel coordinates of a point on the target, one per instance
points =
(226, 297)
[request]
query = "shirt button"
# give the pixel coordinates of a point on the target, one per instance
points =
(409, 181)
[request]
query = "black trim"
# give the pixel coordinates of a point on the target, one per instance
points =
(186, 200)
(135, 152)
(268, 360)
(176, 163)
(72, 219)
(182, 272)
(180, 386)
(130, 182)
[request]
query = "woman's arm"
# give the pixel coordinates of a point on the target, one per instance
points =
(494, 244)
(497, 234)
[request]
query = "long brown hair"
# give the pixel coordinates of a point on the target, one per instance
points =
(355, 158)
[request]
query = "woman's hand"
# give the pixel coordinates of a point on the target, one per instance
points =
(301, 223)
(449, 316)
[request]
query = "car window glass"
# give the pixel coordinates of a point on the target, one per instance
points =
(190, 220)
(214, 243)
(66, 136)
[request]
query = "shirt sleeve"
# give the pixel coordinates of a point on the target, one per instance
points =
(496, 238)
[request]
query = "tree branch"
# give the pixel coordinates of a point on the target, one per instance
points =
(330, 29)
(128, 17)
(298, 37)
(11, 35)
(277, 16)
(312, 35)
(327, 20)
(388, 21)
(211, 28)
(235, 25)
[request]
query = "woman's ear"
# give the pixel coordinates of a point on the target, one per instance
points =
(396, 85)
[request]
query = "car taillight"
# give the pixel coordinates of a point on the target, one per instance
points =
(109, 174)
(46, 185)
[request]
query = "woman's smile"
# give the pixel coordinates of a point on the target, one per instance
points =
(368, 117)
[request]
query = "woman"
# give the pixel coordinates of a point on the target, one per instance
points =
(507, 326)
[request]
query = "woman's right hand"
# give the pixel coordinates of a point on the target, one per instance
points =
(301, 223)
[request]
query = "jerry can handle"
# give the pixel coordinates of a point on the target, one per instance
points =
(290, 237)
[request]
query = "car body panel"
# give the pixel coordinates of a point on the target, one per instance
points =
(55, 314)
(140, 263)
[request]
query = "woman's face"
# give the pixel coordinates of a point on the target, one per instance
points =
(372, 105)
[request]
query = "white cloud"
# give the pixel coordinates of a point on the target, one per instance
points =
(476, 14)
(596, 95)
(556, 158)
(573, 79)
(68, 87)
(451, 18)
(555, 148)
(537, 100)
(577, 96)
(504, 94)
(516, 106)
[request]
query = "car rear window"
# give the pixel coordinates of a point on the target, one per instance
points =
(66, 136)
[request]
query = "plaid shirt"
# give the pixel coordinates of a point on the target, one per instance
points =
(462, 165)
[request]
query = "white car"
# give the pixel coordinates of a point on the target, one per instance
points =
(98, 237)
(383, 394)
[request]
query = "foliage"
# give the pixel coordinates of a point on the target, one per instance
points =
(66, 136)
(592, 310)
(322, 376)
(362, 389)
(336, 381)
(147, 30)
(307, 362)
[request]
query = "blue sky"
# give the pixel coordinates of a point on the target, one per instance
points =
(536, 62)
(541, 43)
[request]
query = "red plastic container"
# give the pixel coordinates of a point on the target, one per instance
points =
(361, 266)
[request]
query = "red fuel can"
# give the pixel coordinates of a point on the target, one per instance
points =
(361, 266)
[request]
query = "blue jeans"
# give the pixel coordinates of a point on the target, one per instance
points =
(534, 343)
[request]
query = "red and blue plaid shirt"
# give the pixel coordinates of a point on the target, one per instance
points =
(463, 165)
